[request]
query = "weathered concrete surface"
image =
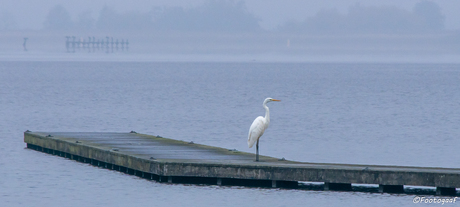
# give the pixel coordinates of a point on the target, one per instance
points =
(168, 157)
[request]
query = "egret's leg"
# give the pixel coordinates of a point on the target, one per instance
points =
(257, 151)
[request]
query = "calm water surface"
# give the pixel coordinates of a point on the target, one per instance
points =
(389, 114)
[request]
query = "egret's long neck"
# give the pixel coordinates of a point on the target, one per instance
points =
(267, 113)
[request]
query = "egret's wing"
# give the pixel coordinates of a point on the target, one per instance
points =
(256, 130)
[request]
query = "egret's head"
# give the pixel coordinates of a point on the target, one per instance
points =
(270, 100)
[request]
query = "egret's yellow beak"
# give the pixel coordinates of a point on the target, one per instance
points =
(275, 100)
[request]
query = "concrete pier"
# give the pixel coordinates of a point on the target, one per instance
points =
(174, 161)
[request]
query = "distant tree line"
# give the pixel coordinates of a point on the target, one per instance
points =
(232, 17)
(213, 15)
(425, 17)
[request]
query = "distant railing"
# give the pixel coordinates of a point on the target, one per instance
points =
(91, 44)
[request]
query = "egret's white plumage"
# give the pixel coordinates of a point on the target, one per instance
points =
(258, 127)
(256, 130)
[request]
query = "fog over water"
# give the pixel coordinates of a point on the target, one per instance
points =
(370, 31)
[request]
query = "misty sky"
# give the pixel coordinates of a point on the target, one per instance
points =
(30, 14)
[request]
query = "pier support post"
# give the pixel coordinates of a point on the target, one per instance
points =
(391, 189)
(219, 181)
(286, 184)
(337, 186)
(169, 179)
(445, 191)
(273, 183)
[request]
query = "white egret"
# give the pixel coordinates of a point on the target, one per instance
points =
(258, 127)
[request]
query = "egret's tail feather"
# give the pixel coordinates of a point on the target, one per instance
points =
(250, 143)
